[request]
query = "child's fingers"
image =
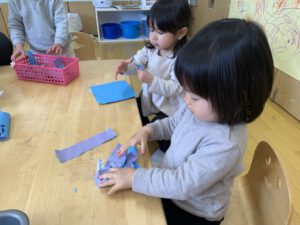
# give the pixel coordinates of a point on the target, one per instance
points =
(144, 146)
(123, 149)
(49, 50)
(113, 189)
(58, 50)
(107, 183)
(116, 75)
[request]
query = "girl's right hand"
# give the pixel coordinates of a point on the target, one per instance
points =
(18, 52)
(122, 67)
(141, 137)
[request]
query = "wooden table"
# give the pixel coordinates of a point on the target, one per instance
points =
(46, 117)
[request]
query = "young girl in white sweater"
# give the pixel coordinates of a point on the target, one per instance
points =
(161, 94)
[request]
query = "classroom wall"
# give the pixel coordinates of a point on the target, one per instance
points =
(286, 89)
(286, 93)
(207, 11)
(280, 22)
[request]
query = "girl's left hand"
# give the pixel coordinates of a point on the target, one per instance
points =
(56, 49)
(118, 178)
(144, 76)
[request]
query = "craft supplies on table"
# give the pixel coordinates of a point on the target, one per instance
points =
(47, 68)
(127, 160)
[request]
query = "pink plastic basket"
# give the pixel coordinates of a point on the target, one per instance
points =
(45, 70)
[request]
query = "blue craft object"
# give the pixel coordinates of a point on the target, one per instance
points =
(112, 92)
(31, 58)
(4, 126)
(127, 160)
(58, 63)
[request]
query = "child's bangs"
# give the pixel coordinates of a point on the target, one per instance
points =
(164, 21)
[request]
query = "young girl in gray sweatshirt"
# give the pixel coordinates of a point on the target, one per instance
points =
(226, 71)
(43, 24)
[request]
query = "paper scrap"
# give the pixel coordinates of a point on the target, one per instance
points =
(84, 146)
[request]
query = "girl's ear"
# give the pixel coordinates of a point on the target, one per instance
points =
(182, 32)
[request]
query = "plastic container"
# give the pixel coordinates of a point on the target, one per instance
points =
(111, 30)
(146, 28)
(45, 71)
(131, 29)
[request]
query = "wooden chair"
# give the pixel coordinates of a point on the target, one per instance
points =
(84, 45)
(262, 196)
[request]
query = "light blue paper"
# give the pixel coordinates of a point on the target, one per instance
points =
(4, 126)
(112, 92)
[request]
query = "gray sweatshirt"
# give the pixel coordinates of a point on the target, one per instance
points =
(165, 93)
(41, 23)
(199, 167)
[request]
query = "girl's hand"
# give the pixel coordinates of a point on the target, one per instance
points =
(144, 76)
(118, 178)
(122, 67)
(56, 49)
(141, 137)
(18, 52)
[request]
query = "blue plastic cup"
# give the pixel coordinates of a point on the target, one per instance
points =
(131, 29)
(111, 30)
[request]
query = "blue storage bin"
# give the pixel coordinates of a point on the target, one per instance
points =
(111, 30)
(131, 29)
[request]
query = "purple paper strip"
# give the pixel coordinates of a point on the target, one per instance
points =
(84, 146)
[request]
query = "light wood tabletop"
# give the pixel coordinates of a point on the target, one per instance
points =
(45, 117)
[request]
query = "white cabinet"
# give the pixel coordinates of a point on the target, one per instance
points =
(116, 15)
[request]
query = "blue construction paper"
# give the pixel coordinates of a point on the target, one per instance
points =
(84, 146)
(31, 58)
(127, 160)
(112, 92)
(4, 126)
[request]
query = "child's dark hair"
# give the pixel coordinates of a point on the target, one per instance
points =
(229, 63)
(170, 16)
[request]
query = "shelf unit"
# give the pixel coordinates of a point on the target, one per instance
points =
(116, 15)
